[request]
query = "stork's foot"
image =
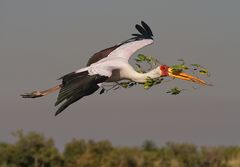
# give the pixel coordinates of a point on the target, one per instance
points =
(33, 94)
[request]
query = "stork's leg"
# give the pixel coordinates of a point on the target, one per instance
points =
(36, 94)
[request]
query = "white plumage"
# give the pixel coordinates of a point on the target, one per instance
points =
(108, 65)
(117, 60)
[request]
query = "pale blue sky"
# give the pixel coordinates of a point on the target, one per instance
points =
(42, 40)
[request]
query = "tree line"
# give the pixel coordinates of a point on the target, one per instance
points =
(35, 150)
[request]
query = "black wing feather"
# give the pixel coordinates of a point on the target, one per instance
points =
(71, 76)
(141, 29)
(145, 32)
(137, 35)
(69, 102)
(68, 90)
(147, 28)
(76, 88)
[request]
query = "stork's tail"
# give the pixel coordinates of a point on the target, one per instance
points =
(36, 94)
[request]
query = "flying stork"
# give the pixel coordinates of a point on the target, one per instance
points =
(109, 65)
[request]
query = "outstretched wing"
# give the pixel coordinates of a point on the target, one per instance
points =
(99, 68)
(100, 55)
(128, 47)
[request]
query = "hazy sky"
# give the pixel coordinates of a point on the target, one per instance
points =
(43, 40)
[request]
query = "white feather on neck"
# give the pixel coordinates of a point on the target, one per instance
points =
(140, 77)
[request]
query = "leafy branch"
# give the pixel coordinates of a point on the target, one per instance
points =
(151, 82)
(142, 59)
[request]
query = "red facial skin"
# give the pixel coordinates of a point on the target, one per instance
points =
(164, 70)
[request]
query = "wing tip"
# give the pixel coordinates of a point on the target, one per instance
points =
(144, 30)
(57, 113)
(147, 28)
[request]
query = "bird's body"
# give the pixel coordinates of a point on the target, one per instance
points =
(108, 65)
(116, 66)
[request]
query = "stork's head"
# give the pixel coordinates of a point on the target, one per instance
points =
(168, 71)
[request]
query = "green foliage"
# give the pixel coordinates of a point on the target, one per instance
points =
(200, 69)
(177, 68)
(127, 84)
(186, 154)
(149, 59)
(149, 145)
(74, 149)
(203, 71)
(35, 150)
(124, 84)
(86, 153)
(31, 150)
(174, 91)
(150, 82)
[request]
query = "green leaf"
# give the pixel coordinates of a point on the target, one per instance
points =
(139, 68)
(124, 84)
(174, 91)
(151, 82)
(176, 70)
(180, 66)
(140, 57)
(149, 59)
(203, 71)
(146, 85)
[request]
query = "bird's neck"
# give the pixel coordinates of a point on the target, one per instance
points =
(142, 77)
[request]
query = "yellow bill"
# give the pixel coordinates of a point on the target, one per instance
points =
(184, 76)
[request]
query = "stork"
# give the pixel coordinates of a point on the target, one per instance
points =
(109, 65)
